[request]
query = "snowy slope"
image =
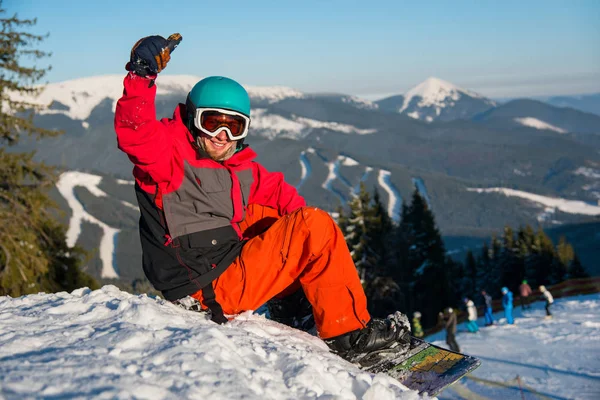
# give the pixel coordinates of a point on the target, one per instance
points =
(556, 358)
(550, 204)
(111, 344)
(538, 124)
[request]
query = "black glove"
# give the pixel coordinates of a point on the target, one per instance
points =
(149, 56)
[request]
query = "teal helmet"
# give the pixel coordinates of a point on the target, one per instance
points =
(219, 92)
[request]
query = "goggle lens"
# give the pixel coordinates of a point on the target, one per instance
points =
(214, 120)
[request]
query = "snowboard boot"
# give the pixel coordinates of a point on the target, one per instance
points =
(294, 311)
(390, 335)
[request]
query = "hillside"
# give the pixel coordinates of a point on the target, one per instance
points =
(150, 349)
(327, 144)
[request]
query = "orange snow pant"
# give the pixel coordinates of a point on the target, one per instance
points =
(302, 249)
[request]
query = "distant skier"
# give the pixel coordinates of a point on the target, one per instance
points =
(549, 300)
(472, 317)
(525, 291)
(507, 303)
(450, 318)
(417, 329)
(489, 319)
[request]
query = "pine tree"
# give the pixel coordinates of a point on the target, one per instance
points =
(359, 235)
(33, 252)
(510, 262)
(430, 290)
(576, 270)
(382, 236)
(525, 246)
(400, 270)
(483, 267)
(565, 254)
(469, 288)
(546, 259)
(384, 293)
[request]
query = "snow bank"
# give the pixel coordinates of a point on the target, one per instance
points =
(111, 344)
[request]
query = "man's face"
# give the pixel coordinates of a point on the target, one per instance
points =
(220, 147)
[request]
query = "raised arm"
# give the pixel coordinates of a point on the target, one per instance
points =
(145, 140)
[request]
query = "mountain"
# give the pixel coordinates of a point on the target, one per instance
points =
(326, 145)
(539, 115)
(589, 103)
(437, 100)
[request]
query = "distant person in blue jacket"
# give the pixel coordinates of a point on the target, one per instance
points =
(507, 303)
(489, 319)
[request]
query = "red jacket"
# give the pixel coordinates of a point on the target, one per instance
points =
(193, 199)
(525, 290)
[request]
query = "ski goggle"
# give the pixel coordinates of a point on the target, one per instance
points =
(212, 120)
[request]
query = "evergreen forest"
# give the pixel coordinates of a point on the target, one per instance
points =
(404, 266)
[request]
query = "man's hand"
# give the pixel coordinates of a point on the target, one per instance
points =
(150, 55)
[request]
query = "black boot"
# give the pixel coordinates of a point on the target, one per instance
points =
(380, 334)
(294, 311)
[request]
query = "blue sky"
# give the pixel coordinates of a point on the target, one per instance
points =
(365, 48)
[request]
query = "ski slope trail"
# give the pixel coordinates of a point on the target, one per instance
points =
(556, 358)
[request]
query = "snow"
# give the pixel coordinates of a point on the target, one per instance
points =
(305, 168)
(518, 172)
(66, 185)
(556, 358)
(272, 125)
(568, 206)
(588, 172)
(110, 344)
(422, 189)
(82, 95)
(394, 198)
(273, 94)
(360, 103)
(348, 161)
(435, 92)
(334, 126)
(538, 124)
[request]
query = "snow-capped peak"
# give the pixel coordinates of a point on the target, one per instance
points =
(434, 92)
(78, 97)
(273, 93)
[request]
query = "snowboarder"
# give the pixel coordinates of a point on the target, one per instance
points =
(489, 319)
(417, 329)
(472, 315)
(217, 228)
(525, 291)
(507, 303)
(549, 300)
(450, 318)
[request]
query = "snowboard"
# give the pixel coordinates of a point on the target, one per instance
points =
(424, 367)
